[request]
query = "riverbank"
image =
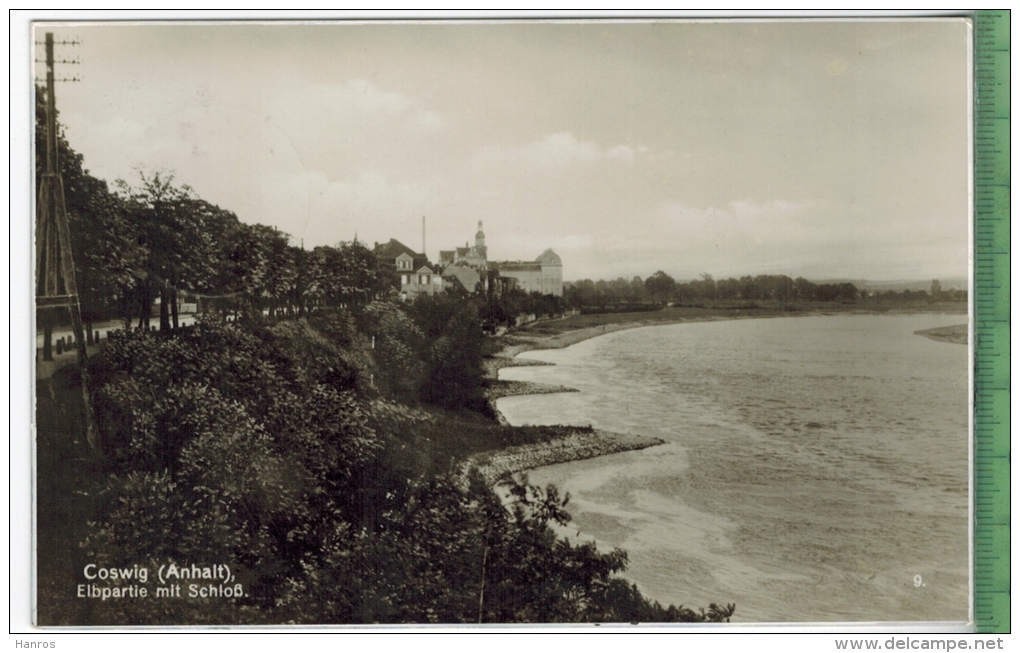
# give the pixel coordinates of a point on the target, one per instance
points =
(578, 445)
(564, 332)
(550, 335)
(498, 389)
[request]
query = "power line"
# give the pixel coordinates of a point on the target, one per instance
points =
(55, 282)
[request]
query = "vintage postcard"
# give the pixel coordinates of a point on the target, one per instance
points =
(512, 321)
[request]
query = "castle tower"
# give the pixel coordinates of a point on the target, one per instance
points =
(480, 236)
(480, 241)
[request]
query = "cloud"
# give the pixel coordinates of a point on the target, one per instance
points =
(554, 151)
(358, 95)
(750, 211)
(621, 152)
(352, 108)
(813, 238)
(360, 100)
(738, 216)
(629, 167)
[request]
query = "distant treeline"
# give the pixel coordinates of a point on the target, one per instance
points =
(661, 288)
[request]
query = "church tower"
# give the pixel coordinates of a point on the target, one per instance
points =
(480, 241)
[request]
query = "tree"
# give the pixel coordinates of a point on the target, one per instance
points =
(638, 293)
(705, 286)
(728, 288)
(299, 294)
(453, 354)
(172, 232)
(362, 277)
(279, 274)
(804, 290)
(263, 269)
(254, 445)
(107, 254)
(660, 286)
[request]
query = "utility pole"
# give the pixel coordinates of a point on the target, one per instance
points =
(55, 284)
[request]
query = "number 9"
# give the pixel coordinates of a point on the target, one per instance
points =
(918, 581)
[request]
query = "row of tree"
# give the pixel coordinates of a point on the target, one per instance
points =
(661, 288)
(504, 308)
(157, 242)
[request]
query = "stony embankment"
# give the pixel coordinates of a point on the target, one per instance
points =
(575, 445)
(578, 445)
(498, 389)
(492, 366)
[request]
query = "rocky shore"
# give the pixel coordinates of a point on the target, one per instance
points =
(492, 366)
(579, 445)
(576, 445)
(498, 389)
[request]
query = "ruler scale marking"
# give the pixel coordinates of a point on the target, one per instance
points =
(991, 315)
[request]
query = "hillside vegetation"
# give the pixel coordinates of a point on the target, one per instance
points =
(322, 471)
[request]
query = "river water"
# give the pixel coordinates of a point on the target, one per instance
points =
(816, 468)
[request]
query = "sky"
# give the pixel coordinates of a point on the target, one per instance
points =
(824, 149)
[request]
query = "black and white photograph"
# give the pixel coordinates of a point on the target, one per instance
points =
(489, 322)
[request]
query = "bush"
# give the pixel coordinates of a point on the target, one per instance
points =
(398, 352)
(452, 352)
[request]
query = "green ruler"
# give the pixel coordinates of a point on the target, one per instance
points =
(991, 326)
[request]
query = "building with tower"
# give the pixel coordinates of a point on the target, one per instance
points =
(543, 275)
(467, 256)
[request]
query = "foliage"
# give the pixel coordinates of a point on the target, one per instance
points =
(618, 296)
(661, 286)
(157, 239)
(504, 308)
(399, 344)
(260, 449)
(602, 293)
(453, 354)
